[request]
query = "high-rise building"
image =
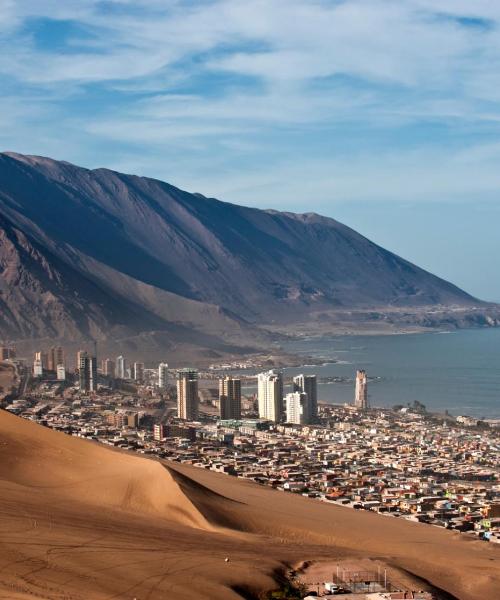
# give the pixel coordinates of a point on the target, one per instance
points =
(37, 368)
(108, 367)
(361, 391)
(270, 395)
(55, 358)
(297, 408)
(7, 353)
(79, 354)
(87, 370)
(187, 394)
(61, 372)
(121, 368)
(309, 385)
(163, 376)
(139, 372)
(229, 398)
(43, 358)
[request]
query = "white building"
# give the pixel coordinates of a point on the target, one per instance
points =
(163, 376)
(61, 372)
(139, 372)
(297, 408)
(270, 395)
(121, 368)
(309, 385)
(37, 367)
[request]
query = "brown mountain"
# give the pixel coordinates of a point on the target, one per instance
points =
(99, 254)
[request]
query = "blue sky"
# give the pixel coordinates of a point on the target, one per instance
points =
(384, 114)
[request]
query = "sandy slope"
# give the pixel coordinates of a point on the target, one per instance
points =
(80, 521)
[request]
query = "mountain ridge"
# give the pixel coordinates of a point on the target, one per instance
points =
(162, 256)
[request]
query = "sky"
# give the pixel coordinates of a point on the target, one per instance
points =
(384, 114)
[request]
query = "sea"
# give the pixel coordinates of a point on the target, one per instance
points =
(458, 372)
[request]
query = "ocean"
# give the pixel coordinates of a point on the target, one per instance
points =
(457, 371)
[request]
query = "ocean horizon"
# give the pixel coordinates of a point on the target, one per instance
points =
(457, 371)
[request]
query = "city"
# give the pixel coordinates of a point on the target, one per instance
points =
(402, 462)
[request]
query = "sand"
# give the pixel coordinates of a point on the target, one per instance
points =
(80, 521)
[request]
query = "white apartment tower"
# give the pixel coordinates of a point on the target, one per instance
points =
(187, 394)
(270, 395)
(361, 391)
(308, 384)
(37, 367)
(108, 367)
(139, 372)
(297, 408)
(61, 372)
(163, 376)
(121, 367)
(229, 398)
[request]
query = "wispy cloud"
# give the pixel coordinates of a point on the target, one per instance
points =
(261, 101)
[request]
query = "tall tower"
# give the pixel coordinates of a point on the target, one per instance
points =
(55, 358)
(361, 391)
(43, 357)
(163, 376)
(308, 384)
(297, 408)
(230, 398)
(108, 367)
(139, 372)
(121, 367)
(87, 370)
(187, 394)
(270, 395)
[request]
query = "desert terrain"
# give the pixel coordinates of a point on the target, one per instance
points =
(79, 521)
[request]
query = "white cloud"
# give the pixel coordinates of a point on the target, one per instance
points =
(228, 83)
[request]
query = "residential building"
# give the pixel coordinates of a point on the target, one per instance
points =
(361, 390)
(87, 370)
(187, 394)
(61, 372)
(297, 408)
(160, 432)
(79, 354)
(108, 367)
(7, 353)
(163, 376)
(270, 395)
(229, 398)
(37, 367)
(121, 368)
(139, 372)
(55, 358)
(309, 385)
(43, 358)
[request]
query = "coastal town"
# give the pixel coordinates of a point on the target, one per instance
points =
(403, 462)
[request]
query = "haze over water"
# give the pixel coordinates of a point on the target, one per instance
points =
(457, 371)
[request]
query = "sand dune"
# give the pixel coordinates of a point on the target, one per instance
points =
(82, 522)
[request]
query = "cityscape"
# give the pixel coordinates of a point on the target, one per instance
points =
(249, 300)
(403, 462)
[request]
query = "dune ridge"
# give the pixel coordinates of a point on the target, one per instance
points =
(84, 522)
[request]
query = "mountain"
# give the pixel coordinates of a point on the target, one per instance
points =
(103, 255)
(82, 521)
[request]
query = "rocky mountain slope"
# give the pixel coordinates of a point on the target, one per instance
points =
(99, 254)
